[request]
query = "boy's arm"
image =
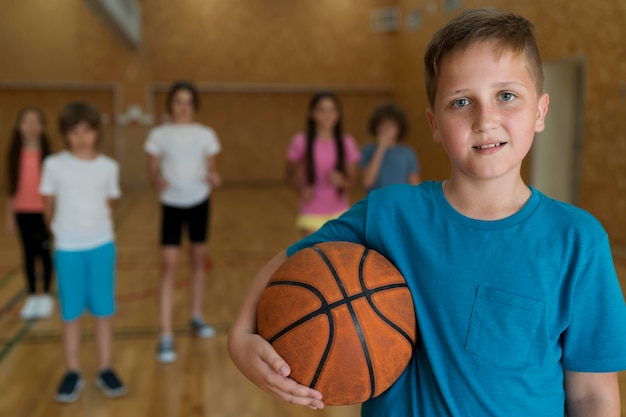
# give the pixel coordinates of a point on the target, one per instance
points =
(48, 209)
(255, 357)
(589, 394)
(154, 169)
(213, 177)
(414, 179)
(371, 171)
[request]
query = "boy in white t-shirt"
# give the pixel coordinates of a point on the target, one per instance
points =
(182, 167)
(78, 186)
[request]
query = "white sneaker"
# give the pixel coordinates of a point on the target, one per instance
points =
(201, 329)
(45, 306)
(165, 350)
(30, 309)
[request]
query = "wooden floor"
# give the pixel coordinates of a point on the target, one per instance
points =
(249, 225)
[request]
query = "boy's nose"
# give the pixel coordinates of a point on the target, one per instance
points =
(486, 118)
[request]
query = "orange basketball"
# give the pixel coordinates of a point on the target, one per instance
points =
(342, 317)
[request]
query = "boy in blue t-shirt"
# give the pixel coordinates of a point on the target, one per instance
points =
(518, 304)
(388, 161)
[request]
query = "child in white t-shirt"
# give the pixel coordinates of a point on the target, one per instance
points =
(183, 169)
(78, 186)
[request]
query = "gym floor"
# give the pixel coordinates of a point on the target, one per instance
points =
(249, 225)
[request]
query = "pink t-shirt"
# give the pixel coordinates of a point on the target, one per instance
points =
(27, 198)
(325, 199)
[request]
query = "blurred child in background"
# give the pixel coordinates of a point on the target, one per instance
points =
(79, 186)
(322, 164)
(28, 147)
(387, 161)
(183, 168)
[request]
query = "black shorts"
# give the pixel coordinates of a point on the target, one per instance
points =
(195, 218)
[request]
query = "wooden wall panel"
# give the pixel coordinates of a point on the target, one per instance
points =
(564, 28)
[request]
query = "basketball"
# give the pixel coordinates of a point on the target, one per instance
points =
(342, 317)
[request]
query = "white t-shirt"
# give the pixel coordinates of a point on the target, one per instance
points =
(183, 150)
(81, 188)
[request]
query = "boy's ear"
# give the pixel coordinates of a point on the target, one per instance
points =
(432, 122)
(542, 110)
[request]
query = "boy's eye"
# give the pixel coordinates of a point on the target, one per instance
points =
(507, 96)
(462, 102)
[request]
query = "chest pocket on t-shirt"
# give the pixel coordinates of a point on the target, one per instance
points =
(503, 326)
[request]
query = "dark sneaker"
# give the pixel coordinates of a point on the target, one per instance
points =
(69, 388)
(201, 329)
(110, 384)
(165, 350)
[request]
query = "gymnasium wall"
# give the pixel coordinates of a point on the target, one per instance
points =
(257, 62)
(565, 28)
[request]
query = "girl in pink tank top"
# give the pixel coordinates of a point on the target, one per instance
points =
(28, 147)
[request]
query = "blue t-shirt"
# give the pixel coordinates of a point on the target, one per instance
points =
(398, 163)
(503, 307)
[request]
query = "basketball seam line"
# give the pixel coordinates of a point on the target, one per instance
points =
(355, 320)
(368, 296)
(326, 307)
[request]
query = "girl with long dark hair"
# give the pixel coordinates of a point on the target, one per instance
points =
(28, 147)
(322, 164)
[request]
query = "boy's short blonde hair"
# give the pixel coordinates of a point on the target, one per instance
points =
(510, 32)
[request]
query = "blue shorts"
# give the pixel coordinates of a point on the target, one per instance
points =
(86, 279)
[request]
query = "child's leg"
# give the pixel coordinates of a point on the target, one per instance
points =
(198, 225)
(104, 337)
(44, 252)
(71, 344)
(171, 259)
(198, 272)
(101, 297)
(27, 236)
(171, 228)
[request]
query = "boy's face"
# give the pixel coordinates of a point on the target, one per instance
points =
(486, 111)
(82, 138)
(388, 129)
(183, 109)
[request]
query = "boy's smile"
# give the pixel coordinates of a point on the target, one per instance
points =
(486, 111)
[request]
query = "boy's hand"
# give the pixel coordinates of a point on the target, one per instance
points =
(214, 179)
(260, 363)
(160, 183)
(386, 136)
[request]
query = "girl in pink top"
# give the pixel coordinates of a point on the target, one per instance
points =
(28, 147)
(322, 164)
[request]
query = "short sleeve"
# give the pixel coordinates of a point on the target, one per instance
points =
(296, 150)
(353, 154)
(152, 144)
(414, 165)
(212, 143)
(47, 186)
(595, 340)
(349, 227)
(366, 154)
(113, 186)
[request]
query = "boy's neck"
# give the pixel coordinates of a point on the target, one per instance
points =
(488, 199)
(85, 155)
